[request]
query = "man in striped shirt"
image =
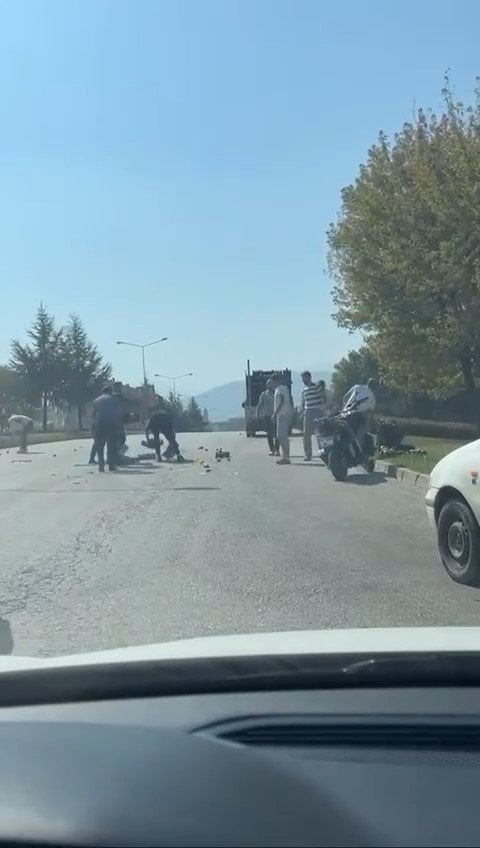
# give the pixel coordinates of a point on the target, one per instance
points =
(313, 406)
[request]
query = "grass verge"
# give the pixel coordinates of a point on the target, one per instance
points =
(435, 450)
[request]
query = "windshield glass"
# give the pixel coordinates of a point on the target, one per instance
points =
(240, 324)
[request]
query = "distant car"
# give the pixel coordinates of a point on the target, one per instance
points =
(453, 508)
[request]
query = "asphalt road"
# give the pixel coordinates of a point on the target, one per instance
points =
(162, 552)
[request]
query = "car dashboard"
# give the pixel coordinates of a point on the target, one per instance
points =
(328, 765)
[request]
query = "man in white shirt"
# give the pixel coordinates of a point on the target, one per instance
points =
(265, 417)
(19, 425)
(283, 416)
(361, 399)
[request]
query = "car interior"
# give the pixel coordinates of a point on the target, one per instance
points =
(239, 751)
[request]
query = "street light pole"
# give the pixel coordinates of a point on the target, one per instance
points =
(174, 380)
(142, 347)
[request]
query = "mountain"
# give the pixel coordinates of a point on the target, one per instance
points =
(225, 401)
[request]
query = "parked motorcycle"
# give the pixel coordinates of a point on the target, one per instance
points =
(341, 449)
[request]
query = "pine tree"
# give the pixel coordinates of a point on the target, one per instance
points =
(85, 371)
(194, 416)
(40, 365)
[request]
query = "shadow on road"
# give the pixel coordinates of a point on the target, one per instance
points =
(311, 464)
(174, 461)
(134, 469)
(6, 638)
(367, 479)
(190, 488)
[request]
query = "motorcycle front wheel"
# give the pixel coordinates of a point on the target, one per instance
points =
(338, 465)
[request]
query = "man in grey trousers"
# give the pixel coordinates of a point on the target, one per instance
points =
(314, 403)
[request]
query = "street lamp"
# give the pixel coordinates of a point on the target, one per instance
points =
(174, 380)
(142, 348)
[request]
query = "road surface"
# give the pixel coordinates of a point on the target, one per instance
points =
(162, 552)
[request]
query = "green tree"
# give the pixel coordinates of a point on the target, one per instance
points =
(12, 399)
(357, 367)
(85, 372)
(40, 365)
(174, 406)
(195, 419)
(405, 251)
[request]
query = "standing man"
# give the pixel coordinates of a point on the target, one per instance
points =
(106, 424)
(161, 422)
(93, 452)
(314, 402)
(283, 417)
(122, 432)
(265, 414)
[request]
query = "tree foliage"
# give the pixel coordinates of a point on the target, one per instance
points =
(39, 365)
(405, 250)
(84, 369)
(57, 366)
(12, 397)
(186, 419)
(357, 367)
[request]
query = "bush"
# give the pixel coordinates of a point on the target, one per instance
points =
(389, 434)
(434, 429)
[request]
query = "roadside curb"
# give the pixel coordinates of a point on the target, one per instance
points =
(403, 475)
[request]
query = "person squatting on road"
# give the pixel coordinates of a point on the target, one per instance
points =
(283, 417)
(265, 417)
(314, 402)
(107, 424)
(161, 422)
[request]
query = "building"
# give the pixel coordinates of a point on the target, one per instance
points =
(139, 400)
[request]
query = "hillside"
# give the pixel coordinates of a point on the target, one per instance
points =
(225, 401)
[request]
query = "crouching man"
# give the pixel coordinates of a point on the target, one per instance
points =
(161, 422)
(21, 425)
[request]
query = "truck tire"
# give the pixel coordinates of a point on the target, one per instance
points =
(459, 542)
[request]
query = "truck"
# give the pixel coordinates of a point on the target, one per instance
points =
(255, 383)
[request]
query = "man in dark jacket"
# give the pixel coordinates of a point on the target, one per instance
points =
(160, 422)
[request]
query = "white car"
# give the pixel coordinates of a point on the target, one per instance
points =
(453, 507)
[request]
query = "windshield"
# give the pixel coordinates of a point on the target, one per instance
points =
(239, 346)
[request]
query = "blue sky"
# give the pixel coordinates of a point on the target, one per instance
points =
(170, 168)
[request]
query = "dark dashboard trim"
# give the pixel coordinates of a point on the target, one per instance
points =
(173, 677)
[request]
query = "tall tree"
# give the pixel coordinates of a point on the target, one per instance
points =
(174, 406)
(85, 371)
(357, 367)
(40, 365)
(195, 418)
(12, 399)
(405, 251)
